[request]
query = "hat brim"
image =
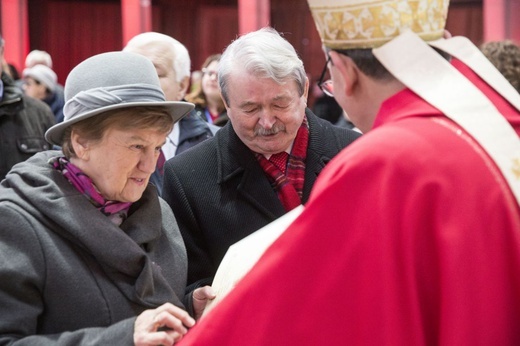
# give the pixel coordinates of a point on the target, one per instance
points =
(177, 109)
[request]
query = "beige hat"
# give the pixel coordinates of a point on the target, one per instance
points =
(350, 24)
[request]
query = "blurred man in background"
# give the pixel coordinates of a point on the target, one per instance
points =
(23, 122)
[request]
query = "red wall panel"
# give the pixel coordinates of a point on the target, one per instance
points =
(76, 30)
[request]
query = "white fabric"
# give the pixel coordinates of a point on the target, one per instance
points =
(435, 80)
(172, 142)
(462, 49)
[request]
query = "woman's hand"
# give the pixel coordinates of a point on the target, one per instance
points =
(164, 325)
(200, 298)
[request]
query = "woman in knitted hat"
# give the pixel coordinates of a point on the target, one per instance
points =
(89, 253)
(41, 83)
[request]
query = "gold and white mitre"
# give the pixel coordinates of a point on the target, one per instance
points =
(348, 24)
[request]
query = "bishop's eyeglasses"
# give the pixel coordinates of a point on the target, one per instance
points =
(326, 86)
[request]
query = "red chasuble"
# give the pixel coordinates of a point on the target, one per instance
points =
(411, 237)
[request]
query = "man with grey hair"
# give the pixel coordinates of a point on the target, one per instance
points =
(23, 122)
(260, 165)
(172, 62)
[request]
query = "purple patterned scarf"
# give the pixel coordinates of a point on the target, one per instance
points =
(114, 210)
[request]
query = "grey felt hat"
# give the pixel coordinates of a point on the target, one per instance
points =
(111, 81)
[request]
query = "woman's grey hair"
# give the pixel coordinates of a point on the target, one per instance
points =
(181, 61)
(265, 54)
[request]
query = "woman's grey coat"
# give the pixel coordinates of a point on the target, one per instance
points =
(68, 275)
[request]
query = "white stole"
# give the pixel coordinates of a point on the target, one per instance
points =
(415, 64)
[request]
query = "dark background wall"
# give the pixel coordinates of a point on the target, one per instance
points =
(72, 30)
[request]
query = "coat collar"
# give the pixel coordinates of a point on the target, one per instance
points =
(238, 166)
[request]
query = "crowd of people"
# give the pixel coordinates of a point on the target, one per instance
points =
(122, 190)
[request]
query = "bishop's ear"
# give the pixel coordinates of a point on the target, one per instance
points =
(346, 71)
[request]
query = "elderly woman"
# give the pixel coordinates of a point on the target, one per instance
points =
(89, 254)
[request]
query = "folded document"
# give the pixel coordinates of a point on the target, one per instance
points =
(243, 255)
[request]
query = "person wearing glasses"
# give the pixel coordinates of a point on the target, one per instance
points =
(418, 220)
(260, 165)
(206, 96)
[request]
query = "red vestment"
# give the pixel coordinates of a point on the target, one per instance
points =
(411, 237)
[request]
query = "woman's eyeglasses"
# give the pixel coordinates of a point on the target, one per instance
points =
(326, 86)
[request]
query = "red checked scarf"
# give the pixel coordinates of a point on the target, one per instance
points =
(289, 184)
